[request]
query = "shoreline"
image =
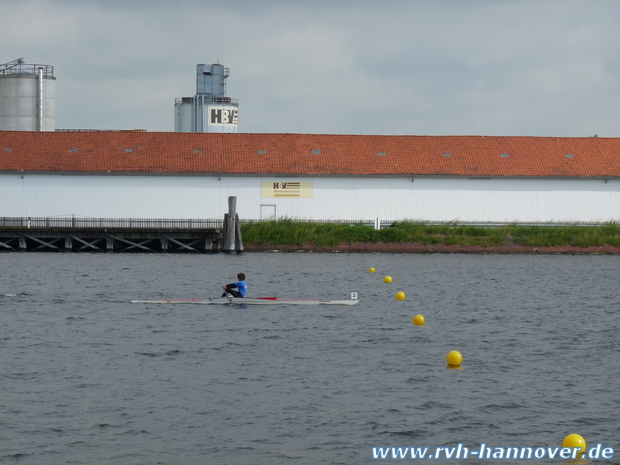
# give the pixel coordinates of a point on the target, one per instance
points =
(418, 248)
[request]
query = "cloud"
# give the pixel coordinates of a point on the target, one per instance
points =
(495, 67)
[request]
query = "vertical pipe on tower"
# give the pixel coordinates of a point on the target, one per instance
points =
(40, 101)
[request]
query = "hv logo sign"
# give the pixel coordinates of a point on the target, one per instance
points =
(300, 190)
(223, 116)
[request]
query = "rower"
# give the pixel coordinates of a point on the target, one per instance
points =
(238, 289)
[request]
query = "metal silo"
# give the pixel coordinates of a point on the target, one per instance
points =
(27, 97)
(209, 110)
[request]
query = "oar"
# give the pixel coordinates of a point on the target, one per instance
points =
(228, 296)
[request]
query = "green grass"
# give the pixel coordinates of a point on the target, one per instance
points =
(298, 233)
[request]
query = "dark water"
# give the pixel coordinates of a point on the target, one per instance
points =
(89, 378)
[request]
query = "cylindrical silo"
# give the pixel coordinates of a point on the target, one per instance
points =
(27, 97)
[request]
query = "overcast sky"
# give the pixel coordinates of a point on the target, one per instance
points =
(419, 67)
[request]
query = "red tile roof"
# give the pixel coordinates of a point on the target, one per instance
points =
(307, 154)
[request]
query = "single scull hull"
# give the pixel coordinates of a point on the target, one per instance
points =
(250, 301)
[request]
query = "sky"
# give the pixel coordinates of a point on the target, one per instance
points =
(389, 67)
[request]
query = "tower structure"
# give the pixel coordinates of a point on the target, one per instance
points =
(27, 97)
(209, 110)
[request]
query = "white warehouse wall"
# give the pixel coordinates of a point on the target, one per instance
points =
(350, 198)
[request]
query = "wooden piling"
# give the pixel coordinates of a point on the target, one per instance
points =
(232, 228)
(229, 225)
(238, 239)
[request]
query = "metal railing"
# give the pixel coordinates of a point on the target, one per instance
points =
(23, 69)
(301, 220)
(103, 223)
(210, 223)
(381, 223)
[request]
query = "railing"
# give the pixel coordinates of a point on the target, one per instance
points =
(77, 222)
(209, 223)
(482, 224)
(301, 220)
(205, 100)
(23, 69)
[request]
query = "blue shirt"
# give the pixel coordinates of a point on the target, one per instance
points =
(241, 286)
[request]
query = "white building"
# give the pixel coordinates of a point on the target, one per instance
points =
(469, 179)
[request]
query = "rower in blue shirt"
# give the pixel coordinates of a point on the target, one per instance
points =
(238, 289)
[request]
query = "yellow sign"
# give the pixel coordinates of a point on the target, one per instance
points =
(284, 189)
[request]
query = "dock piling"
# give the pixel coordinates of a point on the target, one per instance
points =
(232, 230)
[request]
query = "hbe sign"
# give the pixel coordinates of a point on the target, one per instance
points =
(223, 116)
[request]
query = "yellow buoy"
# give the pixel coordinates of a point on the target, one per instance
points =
(371, 270)
(418, 320)
(387, 279)
(573, 441)
(454, 358)
(400, 295)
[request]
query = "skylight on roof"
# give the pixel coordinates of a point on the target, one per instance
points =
(503, 155)
(381, 154)
(8, 149)
(316, 151)
(73, 150)
(261, 152)
(128, 150)
(447, 154)
(569, 155)
(197, 151)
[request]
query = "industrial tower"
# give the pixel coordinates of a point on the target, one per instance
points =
(209, 110)
(27, 97)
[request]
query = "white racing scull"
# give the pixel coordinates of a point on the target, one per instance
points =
(250, 301)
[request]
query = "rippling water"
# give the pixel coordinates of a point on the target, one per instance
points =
(89, 378)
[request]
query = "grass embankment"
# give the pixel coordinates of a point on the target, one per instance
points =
(294, 233)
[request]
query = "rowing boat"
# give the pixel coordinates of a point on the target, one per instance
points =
(250, 301)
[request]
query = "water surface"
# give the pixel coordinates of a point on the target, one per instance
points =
(89, 378)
